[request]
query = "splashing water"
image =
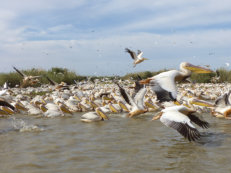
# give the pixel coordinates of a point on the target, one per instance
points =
(22, 126)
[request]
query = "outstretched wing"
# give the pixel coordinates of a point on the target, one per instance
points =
(133, 54)
(180, 123)
(51, 81)
(198, 121)
(21, 73)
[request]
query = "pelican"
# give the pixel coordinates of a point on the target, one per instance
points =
(6, 104)
(164, 85)
(181, 118)
(136, 103)
(137, 57)
(27, 80)
(222, 106)
(98, 115)
(5, 89)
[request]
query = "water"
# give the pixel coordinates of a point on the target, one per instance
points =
(31, 144)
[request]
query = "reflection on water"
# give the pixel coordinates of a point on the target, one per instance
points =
(30, 144)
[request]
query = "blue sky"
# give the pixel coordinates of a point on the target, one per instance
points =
(89, 36)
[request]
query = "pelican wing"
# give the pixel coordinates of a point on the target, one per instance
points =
(133, 54)
(138, 86)
(139, 54)
(162, 94)
(164, 85)
(21, 73)
(181, 123)
(198, 121)
(5, 86)
(34, 77)
(139, 98)
(223, 100)
(51, 81)
(126, 96)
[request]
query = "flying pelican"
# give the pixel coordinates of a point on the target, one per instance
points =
(222, 106)
(136, 103)
(98, 115)
(137, 57)
(27, 80)
(180, 118)
(164, 85)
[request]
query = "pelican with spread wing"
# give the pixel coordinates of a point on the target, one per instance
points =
(136, 103)
(27, 80)
(137, 57)
(181, 118)
(164, 84)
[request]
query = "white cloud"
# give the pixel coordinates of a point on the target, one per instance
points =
(105, 55)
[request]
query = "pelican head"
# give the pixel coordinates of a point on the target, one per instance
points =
(101, 114)
(193, 68)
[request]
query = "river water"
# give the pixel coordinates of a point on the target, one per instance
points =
(32, 144)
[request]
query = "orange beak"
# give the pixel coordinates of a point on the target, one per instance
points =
(145, 81)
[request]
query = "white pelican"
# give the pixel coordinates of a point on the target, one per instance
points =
(6, 104)
(5, 89)
(28, 80)
(98, 115)
(222, 106)
(164, 85)
(137, 57)
(136, 103)
(180, 118)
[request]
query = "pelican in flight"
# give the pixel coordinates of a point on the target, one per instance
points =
(27, 80)
(181, 118)
(222, 106)
(164, 84)
(137, 57)
(136, 103)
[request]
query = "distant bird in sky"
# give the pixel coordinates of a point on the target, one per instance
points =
(137, 57)
(227, 64)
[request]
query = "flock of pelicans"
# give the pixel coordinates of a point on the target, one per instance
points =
(177, 105)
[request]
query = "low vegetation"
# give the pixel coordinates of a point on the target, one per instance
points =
(62, 74)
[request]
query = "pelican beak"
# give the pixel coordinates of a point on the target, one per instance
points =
(8, 110)
(201, 103)
(101, 113)
(177, 103)
(123, 106)
(145, 81)
(197, 69)
(146, 59)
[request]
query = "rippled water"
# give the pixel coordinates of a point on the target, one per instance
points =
(65, 144)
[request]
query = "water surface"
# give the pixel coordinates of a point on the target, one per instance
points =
(32, 144)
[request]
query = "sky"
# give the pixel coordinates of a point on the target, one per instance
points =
(90, 36)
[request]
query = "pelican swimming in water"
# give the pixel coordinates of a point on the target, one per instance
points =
(164, 84)
(98, 115)
(137, 57)
(27, 80)
(181, 118)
